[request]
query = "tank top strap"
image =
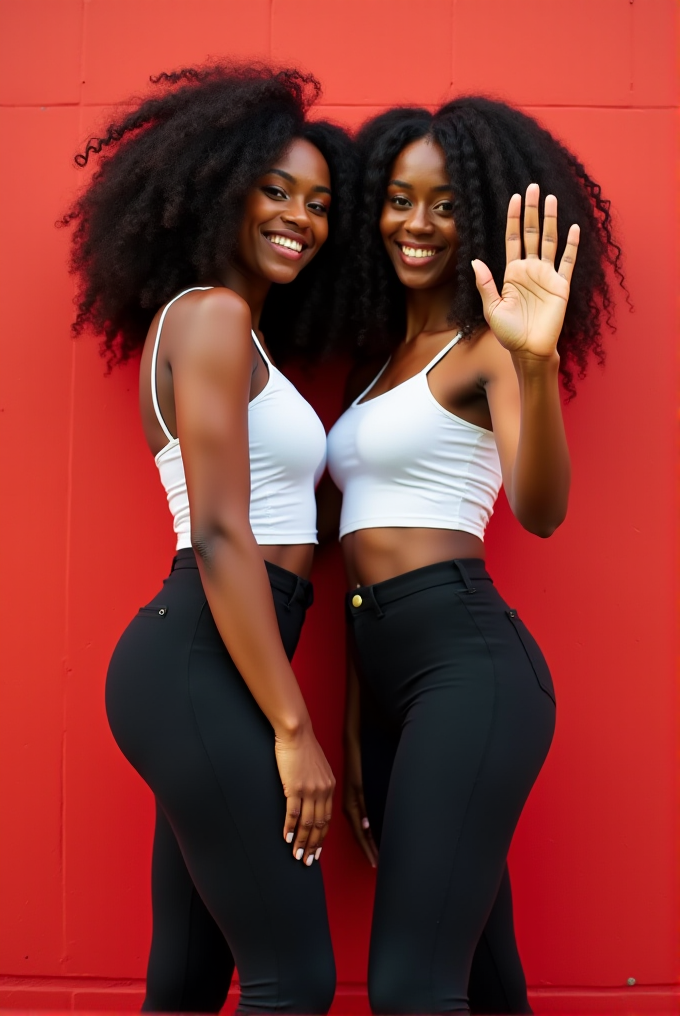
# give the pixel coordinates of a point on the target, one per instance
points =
(154, 357)
(442, 353)
(260, 349)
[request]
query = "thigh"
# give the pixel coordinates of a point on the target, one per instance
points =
(497, 983)
(190, 965)
(379, 743)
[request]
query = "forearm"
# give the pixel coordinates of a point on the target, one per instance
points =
(237, 588)
(542, 474)
(352, 704)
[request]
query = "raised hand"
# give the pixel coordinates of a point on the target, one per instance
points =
(527, 316)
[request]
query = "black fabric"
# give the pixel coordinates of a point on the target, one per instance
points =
(458, 714)
(225, 886)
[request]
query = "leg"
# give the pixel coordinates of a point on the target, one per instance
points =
(497, 984)
(190, 966)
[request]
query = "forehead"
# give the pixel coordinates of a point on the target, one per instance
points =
(421, 162)
(304, 161)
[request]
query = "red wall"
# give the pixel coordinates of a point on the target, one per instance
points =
(85, 531)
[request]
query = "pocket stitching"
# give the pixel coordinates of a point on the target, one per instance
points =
(513, 616)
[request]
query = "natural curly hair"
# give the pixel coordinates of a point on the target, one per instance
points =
(492, 151)
(164, 206)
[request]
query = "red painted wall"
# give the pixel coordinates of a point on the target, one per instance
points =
(86, 535)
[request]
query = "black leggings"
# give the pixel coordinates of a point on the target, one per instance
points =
(458, 712)
(225, 886)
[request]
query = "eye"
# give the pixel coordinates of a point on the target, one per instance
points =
(444, 206)
(276, 193)
(399, 201)
(318, 208)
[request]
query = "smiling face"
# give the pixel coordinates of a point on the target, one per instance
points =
(416, 223)
(285, 220)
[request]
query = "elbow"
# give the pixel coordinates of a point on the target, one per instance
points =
(543, 528)
(210, 539)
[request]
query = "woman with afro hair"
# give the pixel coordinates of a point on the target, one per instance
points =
(477, 301)
(218, 216)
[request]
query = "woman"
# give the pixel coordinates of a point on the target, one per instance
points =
(450, 704)
(217, 192)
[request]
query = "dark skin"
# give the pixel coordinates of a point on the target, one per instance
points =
(504, 379)
(208, 371)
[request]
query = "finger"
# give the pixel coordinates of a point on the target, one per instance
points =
(531, 229)
(328, 814)
(316, 832)
(549, 238)
(368, 843)
(362, 834)
(486, 287)
(293, 805)
(304, 828)
(570, 251)
(513, 237)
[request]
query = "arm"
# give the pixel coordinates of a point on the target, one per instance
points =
(211, 375)
(353, 790)
(523, 387)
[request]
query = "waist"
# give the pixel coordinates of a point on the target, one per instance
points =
(376, 554)
(294, 586)
(462, 573)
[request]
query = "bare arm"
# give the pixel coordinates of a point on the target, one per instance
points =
(211, 374)
(523, 389)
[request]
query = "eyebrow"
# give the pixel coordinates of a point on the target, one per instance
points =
(409, 186)
(291, 179)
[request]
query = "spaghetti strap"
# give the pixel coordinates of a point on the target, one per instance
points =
(154, 358)
(260, 349)
(442, 353)
(373, 382)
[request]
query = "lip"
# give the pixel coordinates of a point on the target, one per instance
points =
(286, 252)
(415, 262)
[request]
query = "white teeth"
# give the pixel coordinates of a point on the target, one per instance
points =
(283, 241)
(418, 252)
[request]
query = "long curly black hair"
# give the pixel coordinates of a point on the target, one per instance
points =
(164, 206)
(492, 151)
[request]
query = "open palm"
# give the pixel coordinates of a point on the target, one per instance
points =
(527, 316)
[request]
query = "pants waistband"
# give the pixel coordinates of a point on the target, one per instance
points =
(297, 589)
(464, 573)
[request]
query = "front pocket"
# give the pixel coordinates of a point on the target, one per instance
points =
(154, 610)
(534, 654)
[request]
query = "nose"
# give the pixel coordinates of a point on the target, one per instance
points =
(296, 214)
(419, 222)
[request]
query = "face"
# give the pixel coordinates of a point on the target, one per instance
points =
(285, 221)
(416, 223)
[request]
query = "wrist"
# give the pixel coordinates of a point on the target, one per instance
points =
(529, 365)
(293, 728)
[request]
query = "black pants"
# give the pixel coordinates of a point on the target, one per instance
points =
(458, 713)
(225, 886)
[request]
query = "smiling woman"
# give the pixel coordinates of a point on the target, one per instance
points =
(212, 233)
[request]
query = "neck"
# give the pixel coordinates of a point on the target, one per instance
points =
(252, 289)
(427, 310)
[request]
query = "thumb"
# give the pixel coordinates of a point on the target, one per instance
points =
(486, 287)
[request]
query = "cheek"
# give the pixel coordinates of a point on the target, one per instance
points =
(388, 223)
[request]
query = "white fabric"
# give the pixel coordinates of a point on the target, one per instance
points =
(287, 457)
(401, 459)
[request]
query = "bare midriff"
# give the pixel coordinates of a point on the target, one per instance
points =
(296, 558)
(374, 555)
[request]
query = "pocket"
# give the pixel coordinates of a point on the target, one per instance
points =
(154, 610)
(534, 654)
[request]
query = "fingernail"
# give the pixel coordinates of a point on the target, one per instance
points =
(317, 853)
(310, 860)
(365, 824)
(298, 854)
(289, 837)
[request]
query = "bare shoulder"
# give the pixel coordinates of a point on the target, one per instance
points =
(211, 328)
(492, 360)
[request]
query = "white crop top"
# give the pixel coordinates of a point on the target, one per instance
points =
(287, 457)
(401, 459)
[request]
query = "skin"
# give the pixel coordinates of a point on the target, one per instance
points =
(504, 379)
(208, 371)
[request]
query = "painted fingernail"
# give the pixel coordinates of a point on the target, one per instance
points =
(365, 824)
(289, 837)
(310, 860)
(298, 854)
(317, 853)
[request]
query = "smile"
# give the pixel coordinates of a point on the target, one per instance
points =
(287, 246)
(410, 254)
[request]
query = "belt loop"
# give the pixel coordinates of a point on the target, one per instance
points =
(303, 593)
(462, 571)
(370, 593)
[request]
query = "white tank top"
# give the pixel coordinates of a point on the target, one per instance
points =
(401, 459)
(287, 444)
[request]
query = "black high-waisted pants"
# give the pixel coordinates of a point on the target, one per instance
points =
(225, 886)
(458, 712)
